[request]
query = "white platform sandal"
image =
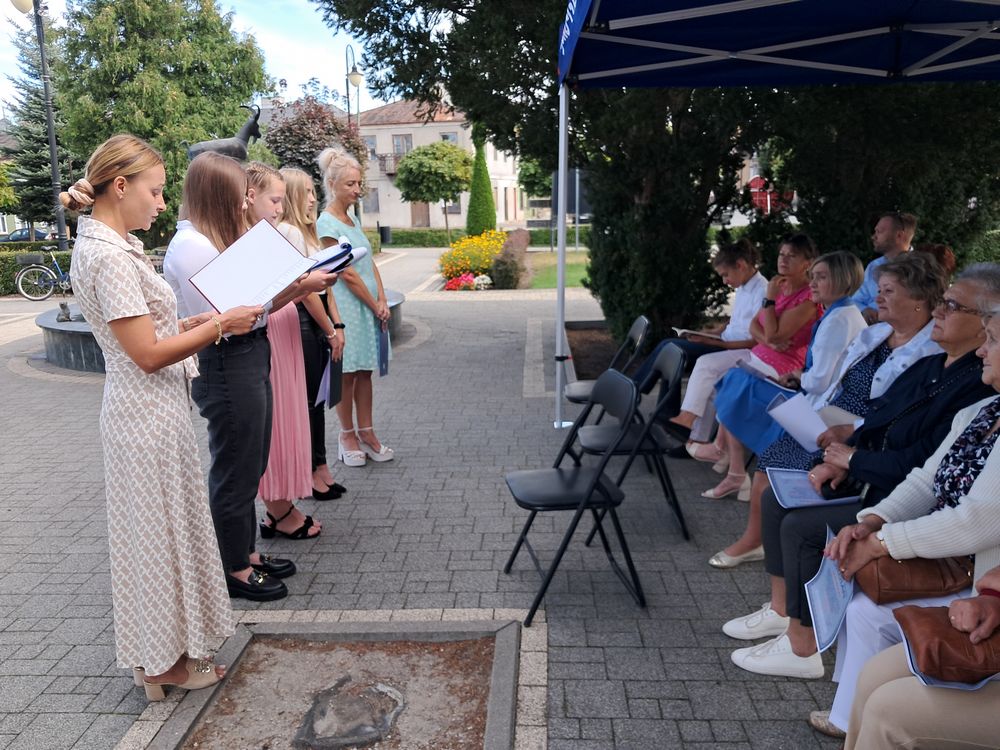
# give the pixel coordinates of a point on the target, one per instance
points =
(379, 456)
(349, 457)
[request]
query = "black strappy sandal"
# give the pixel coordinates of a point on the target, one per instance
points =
(267, 531)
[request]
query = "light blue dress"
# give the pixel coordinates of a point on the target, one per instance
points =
(361, 334)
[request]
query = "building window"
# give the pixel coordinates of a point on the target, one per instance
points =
(454, 208)
(370, 144)
(369, 203)
(450, 137)
(402, 144)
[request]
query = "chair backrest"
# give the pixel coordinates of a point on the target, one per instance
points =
(668, 368)
(616, 394)
(631, 346)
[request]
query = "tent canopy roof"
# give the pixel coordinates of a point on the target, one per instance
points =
(686, 43)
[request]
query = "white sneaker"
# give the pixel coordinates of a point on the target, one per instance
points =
(775, 657)
(760, 624)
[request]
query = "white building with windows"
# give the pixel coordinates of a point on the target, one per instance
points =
(391, 131)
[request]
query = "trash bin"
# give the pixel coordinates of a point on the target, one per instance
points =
(385, 235)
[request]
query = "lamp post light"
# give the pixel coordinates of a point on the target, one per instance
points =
(35, 7)
(353, 77)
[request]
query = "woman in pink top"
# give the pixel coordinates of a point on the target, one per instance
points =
(781, 330)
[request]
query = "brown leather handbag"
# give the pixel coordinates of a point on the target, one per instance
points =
(885, 580)
(944, 653)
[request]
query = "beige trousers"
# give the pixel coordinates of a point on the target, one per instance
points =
(893, 710)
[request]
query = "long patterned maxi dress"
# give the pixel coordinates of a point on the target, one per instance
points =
(167, 584)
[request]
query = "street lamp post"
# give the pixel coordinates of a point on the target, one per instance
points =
(35, 7)
(353, 78)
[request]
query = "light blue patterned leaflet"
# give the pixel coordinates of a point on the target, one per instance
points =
(932, 681)
(793, 490)
(828, 595)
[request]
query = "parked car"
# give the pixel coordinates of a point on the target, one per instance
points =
(21, 235)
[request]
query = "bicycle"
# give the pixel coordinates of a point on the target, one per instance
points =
(37, 282)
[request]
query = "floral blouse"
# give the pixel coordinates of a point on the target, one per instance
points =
(964, 462)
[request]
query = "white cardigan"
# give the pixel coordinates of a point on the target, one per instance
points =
(971, 528)
(898, 362)
(837, 329)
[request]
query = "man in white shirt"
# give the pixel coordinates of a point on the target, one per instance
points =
(892, 237)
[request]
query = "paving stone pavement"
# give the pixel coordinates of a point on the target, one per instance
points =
(431, 529)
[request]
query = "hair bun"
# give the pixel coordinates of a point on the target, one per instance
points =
(79, 196)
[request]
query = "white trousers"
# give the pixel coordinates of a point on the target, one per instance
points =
(708, 368)
(868, 629)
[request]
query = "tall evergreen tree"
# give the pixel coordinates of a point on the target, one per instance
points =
(171, 71)
(30, 169)
(482, 214)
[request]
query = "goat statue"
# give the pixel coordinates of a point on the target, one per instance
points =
(236, 146)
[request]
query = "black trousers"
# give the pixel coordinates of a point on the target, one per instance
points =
(233, 393)
(793, 545)
(315, 355)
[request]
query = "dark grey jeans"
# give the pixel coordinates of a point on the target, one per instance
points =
(233, 393)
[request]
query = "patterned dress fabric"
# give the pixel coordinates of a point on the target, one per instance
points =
(289, 465)
(362, 333)
(167, 584)
(961, 466)
(786, 453)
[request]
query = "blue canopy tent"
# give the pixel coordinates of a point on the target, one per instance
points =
(690, 44)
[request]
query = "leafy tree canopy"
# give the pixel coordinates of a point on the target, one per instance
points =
(534, 180)
(440, 171)
(8, 201)
(171, 71)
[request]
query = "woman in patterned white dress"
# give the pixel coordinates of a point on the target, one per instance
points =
(167, 584)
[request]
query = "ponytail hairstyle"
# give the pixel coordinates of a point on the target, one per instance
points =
(215, 190)
(333, 161)
(730, 255)
(297, 187)
(121, 155)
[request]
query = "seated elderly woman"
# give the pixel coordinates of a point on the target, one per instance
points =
(780, 330)
(901, 430)
(743, 394)
(893, 709)
(909, 287)
(948, 507)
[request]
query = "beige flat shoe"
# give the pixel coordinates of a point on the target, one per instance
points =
(820, 721)
(722, 560)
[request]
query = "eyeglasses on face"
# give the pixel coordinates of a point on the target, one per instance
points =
(951, 306)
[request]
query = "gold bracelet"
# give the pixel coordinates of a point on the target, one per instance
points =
(333, 335)
(218, 330)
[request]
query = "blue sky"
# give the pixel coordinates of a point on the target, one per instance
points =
(297, 45)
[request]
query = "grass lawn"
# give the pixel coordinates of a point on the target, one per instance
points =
(544, 267)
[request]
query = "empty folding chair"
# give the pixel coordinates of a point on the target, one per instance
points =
(578, 392)
(579, 488)
(645, 437)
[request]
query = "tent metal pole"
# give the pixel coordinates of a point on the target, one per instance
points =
(561, 354)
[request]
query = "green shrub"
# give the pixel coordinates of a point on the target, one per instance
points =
(985, 249)
(506, 270)
(482, 214)
(9, 266)
(422, 237)
(373, 238)
(27, 247)
(543, 236)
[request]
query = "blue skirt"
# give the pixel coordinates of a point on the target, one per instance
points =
(741, 401)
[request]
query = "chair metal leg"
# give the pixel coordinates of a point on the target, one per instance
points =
(552, 568)
(520, 541)
(637, 593)
(633, 586)
(671, 494)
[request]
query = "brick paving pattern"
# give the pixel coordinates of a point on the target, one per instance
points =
(429, 531)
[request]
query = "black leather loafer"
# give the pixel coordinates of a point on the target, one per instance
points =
(330, 493)
(278, 567)
(260, 587)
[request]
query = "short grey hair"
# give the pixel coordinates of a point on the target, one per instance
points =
(987, 277)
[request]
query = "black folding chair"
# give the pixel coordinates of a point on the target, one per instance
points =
(579, 391)
(580, 489)
(645, 437)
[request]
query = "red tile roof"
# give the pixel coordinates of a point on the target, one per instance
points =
(406, 111)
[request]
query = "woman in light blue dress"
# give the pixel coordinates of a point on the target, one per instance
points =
(363, 309)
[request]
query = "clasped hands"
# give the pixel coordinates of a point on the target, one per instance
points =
(855, 546)
(980, 615)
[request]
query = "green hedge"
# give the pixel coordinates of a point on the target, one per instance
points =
(9, 266)
(26, 247)
(543, 236)
(422, 237)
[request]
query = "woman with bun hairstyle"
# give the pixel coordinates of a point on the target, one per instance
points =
(362, 303)
(167, 582)
(319, 322)
(233, 391)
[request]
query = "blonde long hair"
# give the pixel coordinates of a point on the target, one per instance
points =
(121, 155)
(214, 190)
(297, 186)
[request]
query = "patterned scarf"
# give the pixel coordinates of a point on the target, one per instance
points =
(964, 461)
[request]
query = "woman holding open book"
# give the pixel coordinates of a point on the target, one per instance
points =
(902, 429)
(909, 287)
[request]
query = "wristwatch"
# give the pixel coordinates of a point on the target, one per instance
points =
(768, 303)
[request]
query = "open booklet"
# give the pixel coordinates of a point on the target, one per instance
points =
(751, 370)
(793, 490)
(828, 595)
(804, 423)
(685, 332)
(260, 265)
